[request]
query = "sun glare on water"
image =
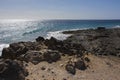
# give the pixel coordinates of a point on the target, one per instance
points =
(14, 20)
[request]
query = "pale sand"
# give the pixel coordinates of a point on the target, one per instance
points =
(101, 68)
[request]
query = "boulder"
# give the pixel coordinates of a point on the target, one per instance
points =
(80, 64)
(53, 43)
(14, 51)
(70, 68)
(51, 56)
(101, 28)
(33, 56)
(40, 39)
(12, 70)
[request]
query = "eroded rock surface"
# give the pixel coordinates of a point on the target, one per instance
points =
(12, 70)
(99, 41)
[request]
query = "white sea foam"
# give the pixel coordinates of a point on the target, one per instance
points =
(58, 35)
(3, 46)
(117, 26)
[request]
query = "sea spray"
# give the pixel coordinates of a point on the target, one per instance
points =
(3, 46)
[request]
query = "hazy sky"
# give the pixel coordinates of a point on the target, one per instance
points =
(60, 9)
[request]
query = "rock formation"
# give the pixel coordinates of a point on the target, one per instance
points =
(12, 70)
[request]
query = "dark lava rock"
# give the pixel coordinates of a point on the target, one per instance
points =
(33, 56)
(12, 70)
(101, 28)
(80, 64)
(99, 41)
(53, 43)
(15, 50)
(52, 56)
(87, 59)
(64, 46)
(70, 68)
(72, 49)
(43, 68)
(40, 39)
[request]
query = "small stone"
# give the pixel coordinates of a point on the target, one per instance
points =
(43, 68)
(80, 65)
(87, 59)
(43, 76)
(70, 68)
(61, 65)
(64, 79)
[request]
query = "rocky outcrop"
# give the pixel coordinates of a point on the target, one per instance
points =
(50, 50)
(51, 56)
(15, 50)
(22, 50)
(40, 39)
(33, 56)
(12, 70)
(99, 41)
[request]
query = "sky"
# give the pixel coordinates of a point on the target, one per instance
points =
(59, 9)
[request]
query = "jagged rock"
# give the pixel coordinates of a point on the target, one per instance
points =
(33, 56)
(40, 39)
(87, 59)
(101, 28)
(14, 51)
(8, 53)
(70, 68)
(71, 49)
(12, 70)
(52, 56)
(80, 64)
(53, 43)
(99, 41)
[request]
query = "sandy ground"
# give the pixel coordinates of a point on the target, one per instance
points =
(100, 68)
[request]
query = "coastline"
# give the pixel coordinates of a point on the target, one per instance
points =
(86, 54)
(100, 41)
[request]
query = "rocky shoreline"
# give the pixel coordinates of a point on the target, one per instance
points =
(100, 41)
(71, 55)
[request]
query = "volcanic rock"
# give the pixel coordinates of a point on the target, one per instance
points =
(12, 70)
(40, 39)
(33, 56)
(52, 56)
(80, 64)
(70, 68)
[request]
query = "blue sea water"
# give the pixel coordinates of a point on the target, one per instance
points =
(14, 31)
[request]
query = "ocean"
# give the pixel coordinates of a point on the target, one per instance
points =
(27, 30)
